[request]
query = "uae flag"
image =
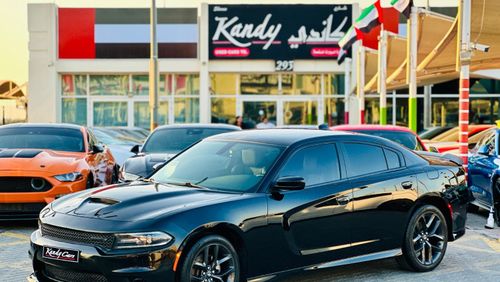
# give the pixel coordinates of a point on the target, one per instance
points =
(348, 39)
(369, 18)
(86, 33)
(403, 6)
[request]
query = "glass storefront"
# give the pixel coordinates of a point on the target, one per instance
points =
(123, 99)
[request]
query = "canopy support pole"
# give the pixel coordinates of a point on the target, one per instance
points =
(360, 77)
(465, 57)
(412, 69)
(382, 74)
(347, 89)
(153, 68)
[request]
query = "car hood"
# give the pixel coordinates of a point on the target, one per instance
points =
(142, 164)
(136, 201)
(36, 160)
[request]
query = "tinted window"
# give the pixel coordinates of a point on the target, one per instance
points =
(364, 159)
(221, 165)
(57, 139)
(177, 139)
(406, 139)
(392, 158)
(316, 164)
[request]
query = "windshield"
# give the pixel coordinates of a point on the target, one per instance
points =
(404, 138)
(174, 140)
(57, 139)
(221, 165)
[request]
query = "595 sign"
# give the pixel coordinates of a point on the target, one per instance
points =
(283, 65)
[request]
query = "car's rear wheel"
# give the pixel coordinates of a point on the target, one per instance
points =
(211, 259)
(425, 241)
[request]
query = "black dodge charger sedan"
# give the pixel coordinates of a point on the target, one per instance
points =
(244, 205)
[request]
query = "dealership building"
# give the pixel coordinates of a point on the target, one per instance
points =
(90, 66)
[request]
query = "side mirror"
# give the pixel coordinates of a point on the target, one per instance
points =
(157, 166)
(97, 149)
(135, 149)
(290, 183)
(484, 150)
(323, 126)
(433, 149)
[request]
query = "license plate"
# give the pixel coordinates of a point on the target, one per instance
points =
(61, 254)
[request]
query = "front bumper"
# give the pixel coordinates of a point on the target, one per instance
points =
(27, 205)
(97, 266)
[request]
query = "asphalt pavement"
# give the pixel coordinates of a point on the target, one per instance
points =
(474, 257)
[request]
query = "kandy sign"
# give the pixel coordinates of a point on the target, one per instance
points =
(277, 31)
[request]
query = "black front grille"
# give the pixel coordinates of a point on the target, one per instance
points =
(23, 184)
(66, 275)
(103, 240)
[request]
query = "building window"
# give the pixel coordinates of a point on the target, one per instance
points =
(142, 114)
(187, 84)
(334, 111)
(74, 110)
(187, 110)
(109, 85)
(334, 84)
(300, 112)
(110, 114)
(301, 84)
(223, 110)
(223, 83)
(259, 84)
(73, 85)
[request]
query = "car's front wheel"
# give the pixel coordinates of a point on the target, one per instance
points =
(211, 259)
(425, 241)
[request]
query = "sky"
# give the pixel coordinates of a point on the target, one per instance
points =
(14, 35)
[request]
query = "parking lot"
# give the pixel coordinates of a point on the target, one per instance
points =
(476, 256)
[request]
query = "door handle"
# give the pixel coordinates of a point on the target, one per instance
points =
(343, 200)
(407, 185)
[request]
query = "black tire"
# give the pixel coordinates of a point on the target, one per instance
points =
(425, 240)
(472, 208)
(496, 200)
(223, 263)
(114, 177)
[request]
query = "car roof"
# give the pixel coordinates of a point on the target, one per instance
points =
(348, 127)
(44, 125)
(199, 125)
(282, 137)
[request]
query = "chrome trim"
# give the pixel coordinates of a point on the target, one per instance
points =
(337, 247)
(362, 258)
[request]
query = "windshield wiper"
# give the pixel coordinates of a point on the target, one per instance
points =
(190, 184)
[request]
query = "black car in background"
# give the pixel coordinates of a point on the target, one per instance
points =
(164, 143)
(248, 204)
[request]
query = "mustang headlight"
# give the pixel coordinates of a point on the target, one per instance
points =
(69, 177)
(138, 240)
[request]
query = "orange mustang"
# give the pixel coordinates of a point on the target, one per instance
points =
(41, 162)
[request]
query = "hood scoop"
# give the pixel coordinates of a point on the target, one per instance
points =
(17, 153)
(94, 206)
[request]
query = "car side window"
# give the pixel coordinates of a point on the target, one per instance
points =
(392, 158)
(364, 159)
(316, 164)
(491, 142)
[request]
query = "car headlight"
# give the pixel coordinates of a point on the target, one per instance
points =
(138, 240)
(69, 177)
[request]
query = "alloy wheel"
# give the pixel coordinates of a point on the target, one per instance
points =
(428, 238)
(213, 263)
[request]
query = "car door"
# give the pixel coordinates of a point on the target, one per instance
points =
(383, 193)
(482, 166)
(313, 223)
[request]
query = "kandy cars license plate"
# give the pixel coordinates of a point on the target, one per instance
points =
(61, 254)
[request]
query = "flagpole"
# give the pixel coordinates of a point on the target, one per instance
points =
(360, 81)
(465, 57)
(347, 90)
(382, 74)
(153, 69)
(412, 69)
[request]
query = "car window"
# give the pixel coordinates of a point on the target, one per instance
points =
(481, 138)
(392, 158)
(407, 139)
(364, 159)
(51, 138)
(316, 164)
(174, 140)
